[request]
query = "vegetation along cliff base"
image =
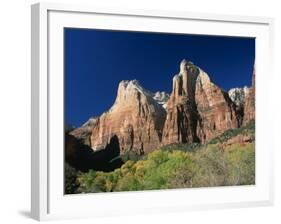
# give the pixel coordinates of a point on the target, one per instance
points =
(226, 160)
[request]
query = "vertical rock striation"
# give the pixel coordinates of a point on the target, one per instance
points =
(196, 111)
(181, 120)
(217, 113)
(135, 118)
(249, 108)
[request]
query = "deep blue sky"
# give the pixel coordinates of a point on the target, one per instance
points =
(97, 60)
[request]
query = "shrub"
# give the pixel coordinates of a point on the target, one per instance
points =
(170, 167)
(192, 147)
(70, 175)
(248, 129)
(131, 155)
(242, 164)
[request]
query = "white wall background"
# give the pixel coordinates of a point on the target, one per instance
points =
(15, 110)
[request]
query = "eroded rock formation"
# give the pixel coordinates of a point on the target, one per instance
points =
(135, 118)
(249, 108)
(84, 132)
(196, 111)
(217, 113)
(181, 120)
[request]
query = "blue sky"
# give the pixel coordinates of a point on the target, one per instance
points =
(97, 60)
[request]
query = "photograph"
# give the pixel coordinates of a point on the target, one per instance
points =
(157, 111)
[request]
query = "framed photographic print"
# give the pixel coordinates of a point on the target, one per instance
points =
(138, 111)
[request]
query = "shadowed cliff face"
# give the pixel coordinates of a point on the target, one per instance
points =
(84, 132)
(83, 158)
(140, 121)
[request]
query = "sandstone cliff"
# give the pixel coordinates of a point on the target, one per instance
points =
(181, 120)
(84, 132)
(135, 118)
(197, 110)
(217, 113)
(249, 108)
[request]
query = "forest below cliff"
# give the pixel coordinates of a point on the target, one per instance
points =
(226, 160)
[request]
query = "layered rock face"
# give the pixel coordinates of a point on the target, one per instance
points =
(135, 118)
(84, 132)
(181, 121)
(249, 108)
(217, 113)
(197, 110)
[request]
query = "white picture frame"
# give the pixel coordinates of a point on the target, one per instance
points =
(48, 201)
